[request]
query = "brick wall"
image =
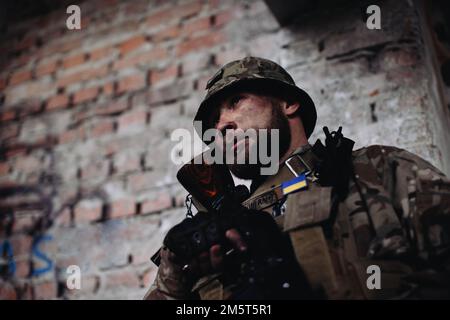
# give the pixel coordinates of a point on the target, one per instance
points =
(86, 116)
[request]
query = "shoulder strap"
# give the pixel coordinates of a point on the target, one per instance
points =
(270, 192)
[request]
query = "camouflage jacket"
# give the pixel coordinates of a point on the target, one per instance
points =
(388, 239)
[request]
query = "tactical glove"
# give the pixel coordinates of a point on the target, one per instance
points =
(171, 281)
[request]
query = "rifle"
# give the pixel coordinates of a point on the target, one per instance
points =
(213, 192)
(268, 269)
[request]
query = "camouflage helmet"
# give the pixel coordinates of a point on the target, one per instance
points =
(256, 71)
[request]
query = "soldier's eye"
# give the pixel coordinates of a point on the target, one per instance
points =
(235, 100)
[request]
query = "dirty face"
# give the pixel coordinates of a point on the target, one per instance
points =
(246, 110)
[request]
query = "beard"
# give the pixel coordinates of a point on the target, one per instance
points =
(252, 171)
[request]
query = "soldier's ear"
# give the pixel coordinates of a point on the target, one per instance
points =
(290, 108)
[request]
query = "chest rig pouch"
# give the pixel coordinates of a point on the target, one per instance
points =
(303, 222)
(305, 213)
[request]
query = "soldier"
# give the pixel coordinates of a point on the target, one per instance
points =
(347, 214)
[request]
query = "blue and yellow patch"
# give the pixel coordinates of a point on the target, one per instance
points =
(293, 185)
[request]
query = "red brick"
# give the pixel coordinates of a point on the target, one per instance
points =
(73, 61)
(72, 135)
(57, 102)
(122, 208)
(9, 131)
(68, 194)
(164, 201)
(45, 290)
(135, 7)
(80, 115)
(188, 9)
(121, 278)
(147, 56)
(24, 222)
(84, 95)
(112, 107)
(7, 291)
(180, 200)
(25, 44)
(201, 83)
(132, 118)
(72, 78)
(85, 22)
(19, 77)
(91, 283)
(95, 170)
(131, 44)
(2, 83)
(108, 89)
(194, 26)
(88, 211)
(100, 53)
(66, 261)
(140, 181)
(169, 73)
(22, 269)
(22, 60)
(141, 254)
(224, 17)
(99, 72)
(131, 83)
(30, 106)
(8, 115)
(149, 277)
(228, 55)
(111, 148)
(70, 45)
(127, 163)
(195, 63)
(82, 76)
(168, 93)
(201, 42)
(101, 128)
(168, 33)
(160, 16)
(64, 218)
(4, 168)
(15, 150)
(26, 292)
(27, 164)
(45, 68)
(407, 58)
(21, 244)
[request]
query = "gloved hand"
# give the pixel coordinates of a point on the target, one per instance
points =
(262, 263)
(171, 281)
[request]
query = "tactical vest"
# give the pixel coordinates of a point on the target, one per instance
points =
(334, 241)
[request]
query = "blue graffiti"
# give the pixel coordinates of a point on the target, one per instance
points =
(35, 250)
(7, 248)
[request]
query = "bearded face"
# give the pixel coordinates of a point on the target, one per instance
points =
(244, 111)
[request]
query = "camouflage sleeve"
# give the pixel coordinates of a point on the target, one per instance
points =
(420, 194)
(171, 283)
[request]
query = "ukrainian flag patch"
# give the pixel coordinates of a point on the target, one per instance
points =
(293, 185)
